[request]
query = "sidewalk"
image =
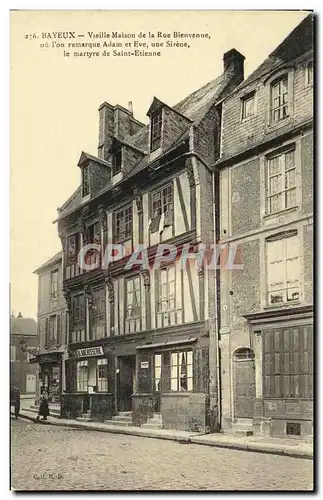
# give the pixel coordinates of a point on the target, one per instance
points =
(277, 446)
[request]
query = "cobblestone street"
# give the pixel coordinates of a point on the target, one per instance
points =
(49, 458)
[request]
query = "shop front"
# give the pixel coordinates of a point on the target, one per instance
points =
(283, 346)
(173, 381)
(90, 383)
(50, 375)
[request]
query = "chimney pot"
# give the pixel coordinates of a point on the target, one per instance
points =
(130, 107)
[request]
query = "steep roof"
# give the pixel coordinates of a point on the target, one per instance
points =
(23, 326)
(56, 259)
(298, 42)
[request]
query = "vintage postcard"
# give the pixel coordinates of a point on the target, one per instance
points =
(161, 323)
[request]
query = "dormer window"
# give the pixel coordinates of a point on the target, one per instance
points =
(279, 99)
(85, 181)
(156, 128)
(116, 162)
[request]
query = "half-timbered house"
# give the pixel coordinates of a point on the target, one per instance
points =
(143, 341)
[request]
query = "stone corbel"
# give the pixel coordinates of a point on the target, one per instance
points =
(102, 216)
(190, 173)
(138, 197)
(109, 283)
(146, 277)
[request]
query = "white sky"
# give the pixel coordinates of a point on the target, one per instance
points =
(54, 103)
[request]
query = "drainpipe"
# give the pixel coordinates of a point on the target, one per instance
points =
(215, 330)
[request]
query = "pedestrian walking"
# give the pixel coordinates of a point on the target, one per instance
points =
(15, 400)
(43, 407)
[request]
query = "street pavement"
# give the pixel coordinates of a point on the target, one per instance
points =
(61, 458)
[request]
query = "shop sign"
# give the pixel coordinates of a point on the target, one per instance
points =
(144, 364)
(47, 358)
(89, 351)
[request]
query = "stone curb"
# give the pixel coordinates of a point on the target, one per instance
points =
(269, 448)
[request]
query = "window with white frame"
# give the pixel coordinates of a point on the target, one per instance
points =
(102, 375)
(85, 181)
(52, 329)
(248, 105)
(309, 74)
(132, 304)
(12, 353)
(54, 284)
(158, 370)
(281, 182)
(166, 304)
(123, 224)
(181, 371)
(82, 376)
(279, 99)
(156, 128)
(283, 269)
(162, 201)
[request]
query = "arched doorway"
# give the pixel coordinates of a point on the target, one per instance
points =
(245, 382)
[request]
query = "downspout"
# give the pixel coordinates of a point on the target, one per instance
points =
(215, 191)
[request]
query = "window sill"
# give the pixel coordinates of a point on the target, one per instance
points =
(177, 394)
(272, 126)
(285, 211)
(285, 305)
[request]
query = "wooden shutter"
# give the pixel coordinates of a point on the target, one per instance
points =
(70, 375)
(58, 329)
(197, 371)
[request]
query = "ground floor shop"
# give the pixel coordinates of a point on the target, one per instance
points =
(270, 367)
(167, 375)
(50, 375)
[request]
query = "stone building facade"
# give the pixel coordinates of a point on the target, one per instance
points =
(143, 341)
(23, 341)
(51, 315)
(266, 211)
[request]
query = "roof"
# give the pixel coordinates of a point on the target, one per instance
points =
(193, 107)
(23, 326)
(86, 157)
(298, 42)
(56, 259)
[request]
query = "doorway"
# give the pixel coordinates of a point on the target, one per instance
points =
(125, 382)
(245, 383)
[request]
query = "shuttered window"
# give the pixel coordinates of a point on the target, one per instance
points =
(288, 363)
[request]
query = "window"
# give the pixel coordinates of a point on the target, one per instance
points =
(94, 233)
(82, 376)
(132, 305)
(281, 182)
(162, 201)
(248, 103)
(102, 375)
(166, 309)
(116, 162)
(156, 127)
(52, 329)
(309, 74)
(54, 284)
(181, 371)
(72, 249)
(78, 311)
(283, 270)
(123, 224)
(99, 306)
(288, 362)
(279, 99)
(85, 181)
(12, 353)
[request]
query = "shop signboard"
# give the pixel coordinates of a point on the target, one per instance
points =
(89, 351)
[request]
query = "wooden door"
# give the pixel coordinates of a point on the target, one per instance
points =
(30, 383)
(125, 386)
(245, 384)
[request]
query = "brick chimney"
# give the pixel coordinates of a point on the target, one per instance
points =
(233, 64)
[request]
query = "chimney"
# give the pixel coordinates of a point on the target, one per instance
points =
(130, 107)
(106, 129)
(233, 64)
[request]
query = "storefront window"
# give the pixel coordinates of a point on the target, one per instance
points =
(181, 371)
(102, 375)
(82, 376)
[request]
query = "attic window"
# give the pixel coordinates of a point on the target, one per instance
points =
(116, 162)
(85, 181)
(156, 127)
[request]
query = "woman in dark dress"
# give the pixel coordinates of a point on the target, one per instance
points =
(43, 407)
